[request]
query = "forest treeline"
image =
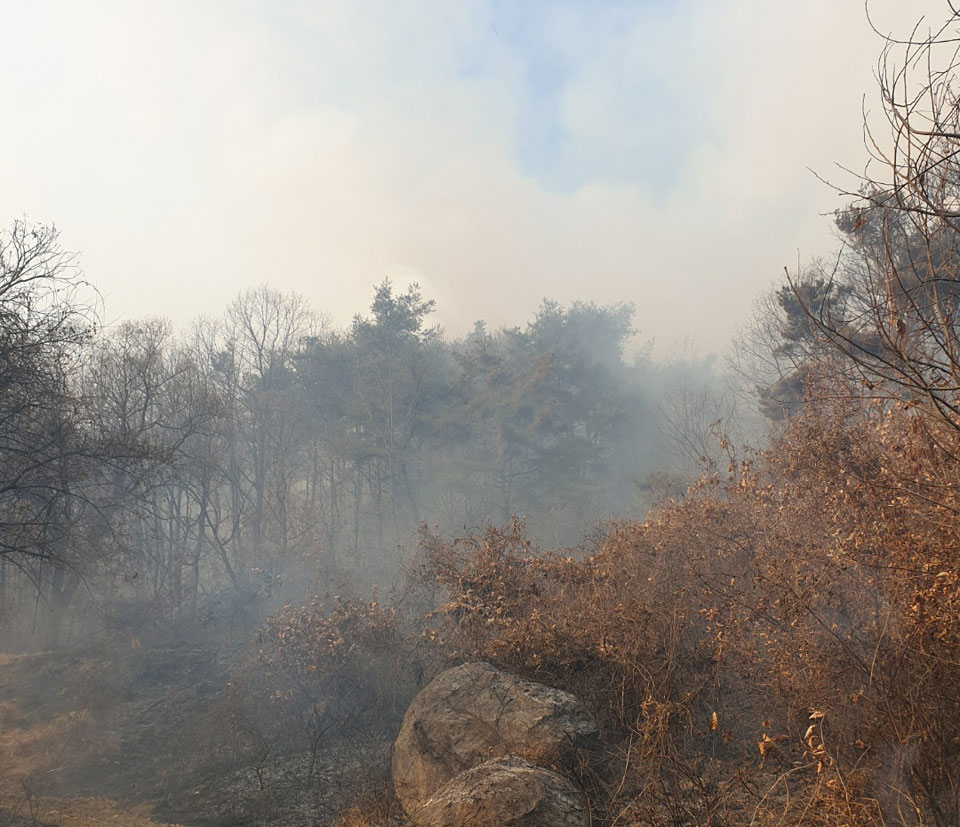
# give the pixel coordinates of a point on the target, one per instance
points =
(157, 476)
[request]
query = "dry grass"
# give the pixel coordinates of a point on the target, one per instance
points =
(87, 812)
(60, 729)
(27, 752)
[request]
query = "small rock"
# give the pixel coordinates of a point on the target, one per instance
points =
(505, 792)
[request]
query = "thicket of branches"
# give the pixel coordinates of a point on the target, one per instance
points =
(780, 647)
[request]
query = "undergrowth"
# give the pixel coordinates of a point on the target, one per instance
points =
(781, 645)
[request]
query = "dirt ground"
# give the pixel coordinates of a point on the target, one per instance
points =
(141, 738)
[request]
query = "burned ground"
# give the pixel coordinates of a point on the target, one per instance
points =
(143, 737)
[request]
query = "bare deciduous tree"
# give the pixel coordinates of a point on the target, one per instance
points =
(897, 334)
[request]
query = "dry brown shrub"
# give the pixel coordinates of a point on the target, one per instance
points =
(618, 636)
(340, 661)
(321, 677)
(781, 646)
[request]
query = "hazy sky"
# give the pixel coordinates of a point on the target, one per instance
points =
(496, 151)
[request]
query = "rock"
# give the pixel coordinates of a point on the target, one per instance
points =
(475, 712)
(505, 792)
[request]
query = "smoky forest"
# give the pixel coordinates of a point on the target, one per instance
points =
(274, 567)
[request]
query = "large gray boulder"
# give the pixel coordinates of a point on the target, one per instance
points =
(475, 712)
(504, 792)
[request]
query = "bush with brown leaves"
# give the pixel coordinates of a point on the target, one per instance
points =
(780, 646)
(324, 673)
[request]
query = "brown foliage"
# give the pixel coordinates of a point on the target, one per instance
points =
(329, 655)
(321, 675)
(781, 646)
